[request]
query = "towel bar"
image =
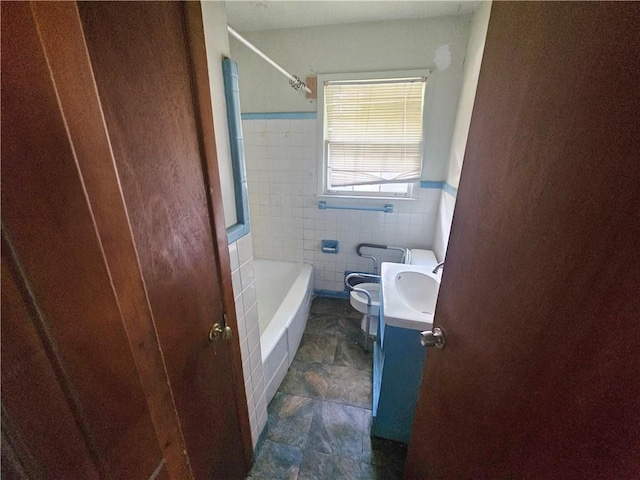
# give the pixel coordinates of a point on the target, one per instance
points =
(386, 208)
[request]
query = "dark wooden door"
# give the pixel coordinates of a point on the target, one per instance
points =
(114, 252)
(141, 60)
(71, 395)
(540, 297)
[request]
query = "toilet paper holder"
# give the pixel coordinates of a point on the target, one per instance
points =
(330, 246)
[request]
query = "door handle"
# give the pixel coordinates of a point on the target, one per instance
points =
(217, 330)
(433, 338)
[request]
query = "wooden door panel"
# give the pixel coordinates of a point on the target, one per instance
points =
(48, 429)
(46, 216)
(140, 60)
(539, 298)
(62, 37)
(205, 122)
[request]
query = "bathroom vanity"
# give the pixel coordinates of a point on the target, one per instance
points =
(407, 304)
(398, 360)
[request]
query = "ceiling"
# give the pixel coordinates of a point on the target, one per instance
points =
(251, 15)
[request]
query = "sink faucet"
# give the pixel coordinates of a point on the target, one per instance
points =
(438, 267)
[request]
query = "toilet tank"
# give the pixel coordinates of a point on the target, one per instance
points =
(418, 256)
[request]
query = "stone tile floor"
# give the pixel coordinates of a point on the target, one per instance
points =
(320, 417)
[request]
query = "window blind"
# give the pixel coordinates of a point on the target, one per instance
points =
(374, 131)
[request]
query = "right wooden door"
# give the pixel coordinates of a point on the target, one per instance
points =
(540, 296)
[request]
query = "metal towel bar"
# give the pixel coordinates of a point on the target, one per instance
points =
(386, 208)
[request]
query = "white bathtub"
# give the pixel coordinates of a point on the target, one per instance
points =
(284, 292)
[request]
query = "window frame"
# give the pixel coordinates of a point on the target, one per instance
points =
(322, 128)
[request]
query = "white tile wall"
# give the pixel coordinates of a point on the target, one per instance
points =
(244, 291)
(281, 157)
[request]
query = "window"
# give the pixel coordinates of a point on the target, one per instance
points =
(372, 135)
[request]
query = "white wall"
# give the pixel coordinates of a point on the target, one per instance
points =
(471, 73)
(436, 43)
(240, 252)
(214, 18)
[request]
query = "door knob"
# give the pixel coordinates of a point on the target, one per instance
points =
(217, 330)
(433, 338)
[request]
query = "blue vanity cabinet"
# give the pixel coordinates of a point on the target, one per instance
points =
(398, 360)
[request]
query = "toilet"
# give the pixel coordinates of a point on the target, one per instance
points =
(358, 300)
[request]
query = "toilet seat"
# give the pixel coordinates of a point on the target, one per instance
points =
(359, 300)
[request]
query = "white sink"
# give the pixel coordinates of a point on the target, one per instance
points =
(409, 294)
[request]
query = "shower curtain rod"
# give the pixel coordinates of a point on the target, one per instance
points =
(294, 81)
